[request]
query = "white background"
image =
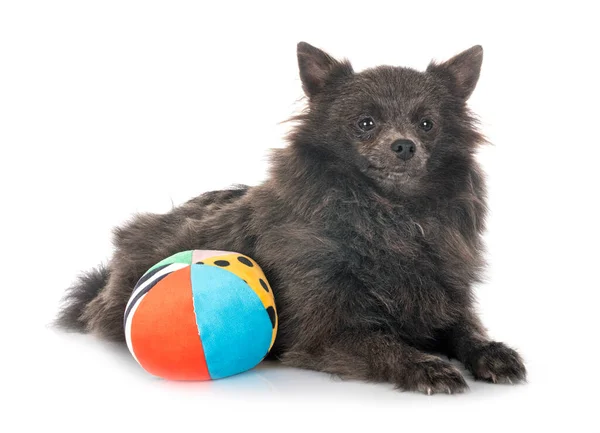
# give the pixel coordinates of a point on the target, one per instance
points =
(113, 107)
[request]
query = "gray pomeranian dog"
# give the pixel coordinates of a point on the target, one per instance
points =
(369, 228)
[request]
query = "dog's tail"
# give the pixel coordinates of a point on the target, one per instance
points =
(78, 296)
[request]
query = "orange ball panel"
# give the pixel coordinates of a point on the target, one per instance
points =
(164, 333)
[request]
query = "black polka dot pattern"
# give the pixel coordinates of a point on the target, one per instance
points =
(199, 263)
(272, 316)
(245, 261)
(263, 284)
(222, 263)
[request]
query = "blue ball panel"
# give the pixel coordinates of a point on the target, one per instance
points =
(234, 326)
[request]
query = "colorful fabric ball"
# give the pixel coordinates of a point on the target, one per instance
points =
(201, 315)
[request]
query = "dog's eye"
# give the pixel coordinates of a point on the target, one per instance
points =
(366, 123)
(426, 125)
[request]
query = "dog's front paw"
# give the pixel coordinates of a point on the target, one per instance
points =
(433, 375)
(495, 362)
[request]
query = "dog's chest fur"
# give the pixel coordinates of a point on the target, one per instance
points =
(374, 264)
(412, 267)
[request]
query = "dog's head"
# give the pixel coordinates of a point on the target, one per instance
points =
(401, 127)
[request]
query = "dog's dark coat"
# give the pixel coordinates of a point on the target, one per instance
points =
(372, 259)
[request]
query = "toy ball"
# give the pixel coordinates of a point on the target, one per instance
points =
(201, 315)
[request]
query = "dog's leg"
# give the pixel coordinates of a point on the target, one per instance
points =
(380, 358)
(488, 360)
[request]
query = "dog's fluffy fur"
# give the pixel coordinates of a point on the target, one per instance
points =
(372, 258)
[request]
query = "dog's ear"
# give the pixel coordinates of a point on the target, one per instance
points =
(317, 68)
(461, 72)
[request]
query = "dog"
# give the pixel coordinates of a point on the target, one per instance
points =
(369, 228)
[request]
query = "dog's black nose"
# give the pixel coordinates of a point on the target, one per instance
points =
(405, 149)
